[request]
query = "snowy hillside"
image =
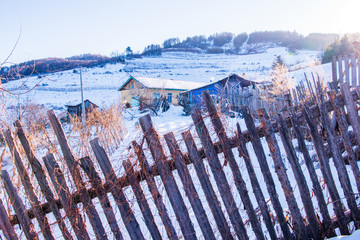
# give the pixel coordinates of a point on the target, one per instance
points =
(101, 83)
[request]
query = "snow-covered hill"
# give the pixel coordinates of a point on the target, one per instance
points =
(101, 83)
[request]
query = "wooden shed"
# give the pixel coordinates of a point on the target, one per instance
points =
(76, 109)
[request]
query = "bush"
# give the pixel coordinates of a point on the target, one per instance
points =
(338, 47)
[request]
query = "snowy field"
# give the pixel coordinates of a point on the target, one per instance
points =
(101, 83)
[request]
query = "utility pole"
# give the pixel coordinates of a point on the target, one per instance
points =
(82, 100)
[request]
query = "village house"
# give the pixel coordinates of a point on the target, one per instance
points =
(148, 90)
(232, 88)
(76, 108)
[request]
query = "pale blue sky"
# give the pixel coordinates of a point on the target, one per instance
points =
(51, 28)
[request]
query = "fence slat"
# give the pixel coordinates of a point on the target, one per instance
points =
(28, 187)
(340, 166)
(243, 152)
(270, 185)
(170, 230)
(219, 174)
(206, 185)
(270, 137)
(126, 212)
(328, 229)
(229, 156)
(346, 138)
(141, 199)
(326, 171)
(340, 67)
(41, 178)
(347, 72)
(300, 178)
(72, 212)
(89, 168)
(19, 207)
(351, 110)
(5, 225)
(353, 70)
(89, 207)
(153, 142)
(189, 187)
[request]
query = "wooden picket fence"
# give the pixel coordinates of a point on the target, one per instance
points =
(232, 219)
(345, 69)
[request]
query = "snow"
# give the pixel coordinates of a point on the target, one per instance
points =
(101, 84)
(168, 83)
(354, 236)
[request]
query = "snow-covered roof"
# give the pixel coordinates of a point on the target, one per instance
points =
(161, 83)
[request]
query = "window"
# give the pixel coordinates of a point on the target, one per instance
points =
(132, 85)
(169, 97)
(156, 95)
(135, 101)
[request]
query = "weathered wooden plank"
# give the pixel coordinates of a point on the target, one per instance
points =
(5, 225)
(300, 178)
(95, 180)
(299, 227)
(141, 200)
(326, 171)
(340, 166)
(347, 69)
(351, 110)
(206, 185)
(219, 174)
(353, 70)
(126, 212)
(89, 207)
(229, 156)
(358, 72)
(334, 72)
(153, 142)
(189, 187)
(270, 185)
(147, 172)
(41, 178)
(72, 212)
(346, 139)
(19, 207)
(243, 152)
(327, 227)
(340, 67)
(28, 187)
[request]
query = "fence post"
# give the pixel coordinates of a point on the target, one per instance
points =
(340, 67)
(243, 152)
(189, 187)
(229, 156)
(326, 171)
(270, 137)
(170, 230)
(41, 178)
(89, 207)
(153, 142)
(19, 207)
(206, 185)
(299, 176)
(5, 225)
(328, 227)
(219, 174)
(270, 185)
(28, 187)
(353, 71)
(59, 182)
(89, 168)
(141, 200)
(126, 212)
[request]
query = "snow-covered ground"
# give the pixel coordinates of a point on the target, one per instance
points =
(101, 84)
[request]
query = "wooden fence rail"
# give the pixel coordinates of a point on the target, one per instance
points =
(345, 69)
(233, 217)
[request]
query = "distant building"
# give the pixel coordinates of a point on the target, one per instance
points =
(76, 109)
(229, 88)
(148, 90)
